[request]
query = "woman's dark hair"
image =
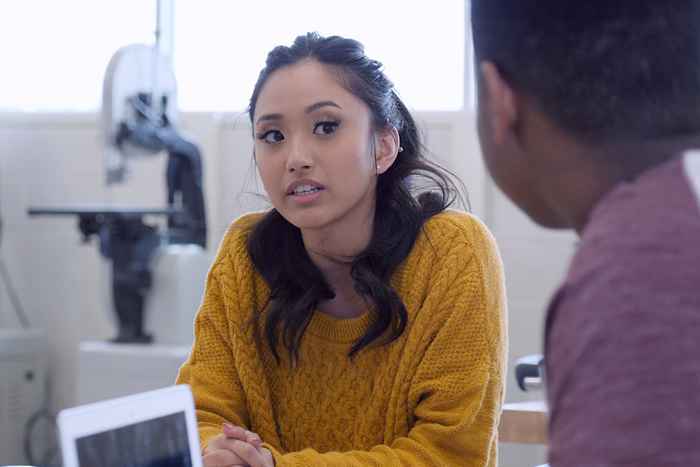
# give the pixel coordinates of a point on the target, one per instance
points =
(402, 207)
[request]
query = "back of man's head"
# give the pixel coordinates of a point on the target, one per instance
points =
(604, 70)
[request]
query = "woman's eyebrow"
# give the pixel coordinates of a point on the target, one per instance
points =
(321, 104)
(308, 110)
(267, 117)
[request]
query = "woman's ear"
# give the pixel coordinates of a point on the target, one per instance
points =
(388, 146)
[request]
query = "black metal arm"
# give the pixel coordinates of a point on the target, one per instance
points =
(153, 131)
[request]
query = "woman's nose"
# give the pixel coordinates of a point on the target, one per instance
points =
(299, 158)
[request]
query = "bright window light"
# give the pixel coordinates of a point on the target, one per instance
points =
(54, 53)
(220, 46)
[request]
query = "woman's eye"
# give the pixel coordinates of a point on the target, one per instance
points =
(325, 128)
(272, 136)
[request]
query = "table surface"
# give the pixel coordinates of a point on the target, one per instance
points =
(524, 422)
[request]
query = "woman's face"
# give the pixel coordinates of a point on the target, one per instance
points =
(315, 147)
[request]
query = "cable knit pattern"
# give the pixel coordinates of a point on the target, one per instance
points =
(432, 397)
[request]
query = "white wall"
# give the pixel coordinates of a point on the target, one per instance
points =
(57, 160)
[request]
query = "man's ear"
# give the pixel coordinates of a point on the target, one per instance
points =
(387, 148)
(500, 102)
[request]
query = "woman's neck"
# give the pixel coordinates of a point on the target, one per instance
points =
(332, 250)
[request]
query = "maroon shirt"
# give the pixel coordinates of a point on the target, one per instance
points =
(623, 333)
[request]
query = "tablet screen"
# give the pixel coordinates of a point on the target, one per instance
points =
(158, 442)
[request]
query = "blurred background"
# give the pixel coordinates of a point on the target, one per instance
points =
(56, 318)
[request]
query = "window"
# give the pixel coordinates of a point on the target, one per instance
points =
(220, 47)
(54, 53)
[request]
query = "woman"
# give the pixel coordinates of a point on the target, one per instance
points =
(358, 322)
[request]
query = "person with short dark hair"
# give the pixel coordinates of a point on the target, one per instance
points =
(358, 322)
(589, 119)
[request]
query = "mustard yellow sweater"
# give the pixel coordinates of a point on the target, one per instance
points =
(430, 398)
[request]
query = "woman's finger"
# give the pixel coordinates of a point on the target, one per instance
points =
(233, 431)
(249, 453)
(253, 439)
(237, 432)
(218, 442)
(223, 458)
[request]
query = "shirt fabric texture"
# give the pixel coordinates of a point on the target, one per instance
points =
(623, 332)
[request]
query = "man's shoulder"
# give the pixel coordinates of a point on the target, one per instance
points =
(622, 331)
(661, 202)
(635, 270)
(636, 266)
(652, 223)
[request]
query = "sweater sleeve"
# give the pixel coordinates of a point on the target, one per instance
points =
(457, 388)
(210, 370)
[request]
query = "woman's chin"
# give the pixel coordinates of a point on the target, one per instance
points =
(307, 220)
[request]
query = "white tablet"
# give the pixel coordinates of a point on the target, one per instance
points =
(150, 429)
